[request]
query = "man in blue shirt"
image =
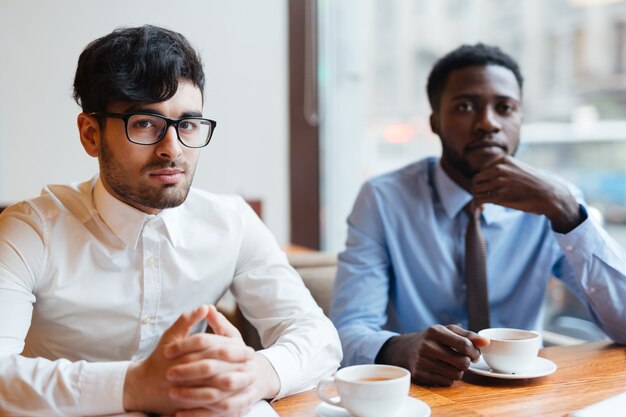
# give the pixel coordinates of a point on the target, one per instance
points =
(400, 294)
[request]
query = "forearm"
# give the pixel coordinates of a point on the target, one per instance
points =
(595, 269)
(302, 356)
(37, 386)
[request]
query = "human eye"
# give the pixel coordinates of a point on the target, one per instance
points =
(188, 125)
(143, 122)
(506, 107)
(465, 106)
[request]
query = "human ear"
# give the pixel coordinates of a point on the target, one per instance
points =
(434, 123)
(89, 131)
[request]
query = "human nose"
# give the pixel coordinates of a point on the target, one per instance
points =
(169, 147)
(488, 120)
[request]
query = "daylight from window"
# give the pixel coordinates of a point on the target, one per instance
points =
(375, 56)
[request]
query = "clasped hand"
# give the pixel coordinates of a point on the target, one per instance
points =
(199, 375)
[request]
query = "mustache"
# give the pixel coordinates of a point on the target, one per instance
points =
(486, 141)
(156, 164)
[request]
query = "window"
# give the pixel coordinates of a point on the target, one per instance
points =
(375, 57)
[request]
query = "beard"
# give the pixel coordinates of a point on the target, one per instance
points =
(457, 161)
(157, 197)
(462, 164)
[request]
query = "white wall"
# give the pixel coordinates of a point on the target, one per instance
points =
(244, 48)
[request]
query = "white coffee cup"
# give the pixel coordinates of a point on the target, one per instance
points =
(369, 390)
(511, 351)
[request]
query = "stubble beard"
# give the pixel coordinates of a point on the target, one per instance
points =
(165, 196)
(460, 163)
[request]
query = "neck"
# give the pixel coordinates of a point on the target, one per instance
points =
(457, 176)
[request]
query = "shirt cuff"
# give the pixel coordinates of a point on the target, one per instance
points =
(368, 348)
(285, 366)
(102, 387)
(583, 240)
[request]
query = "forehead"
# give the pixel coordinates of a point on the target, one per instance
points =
(188, 98)
(482, 80)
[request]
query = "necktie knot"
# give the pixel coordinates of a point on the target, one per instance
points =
(474, 211)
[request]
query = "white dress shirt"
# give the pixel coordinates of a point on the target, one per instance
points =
(89, 283)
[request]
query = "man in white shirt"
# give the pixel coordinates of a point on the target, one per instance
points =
(106, 286)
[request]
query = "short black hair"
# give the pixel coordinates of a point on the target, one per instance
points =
(467, 56)
(135, 64)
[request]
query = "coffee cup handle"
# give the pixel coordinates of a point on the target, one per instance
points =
(323, 383)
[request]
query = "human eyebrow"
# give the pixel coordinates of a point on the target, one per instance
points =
(148, 110)
(508, 98)
(477, 97)
(466, 97)
(191, 114)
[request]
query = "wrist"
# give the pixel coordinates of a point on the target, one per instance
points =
(567, 216)
(266, 379)
(132, 396)
(383, 355)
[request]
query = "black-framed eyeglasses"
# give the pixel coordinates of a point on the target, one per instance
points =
(149, 128)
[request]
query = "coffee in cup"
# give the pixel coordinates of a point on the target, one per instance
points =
(511, 351)
(369, 390)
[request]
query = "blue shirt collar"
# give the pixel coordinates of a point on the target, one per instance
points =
(453, 197)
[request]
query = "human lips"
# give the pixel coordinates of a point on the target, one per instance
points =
(485, 145)
(168, 176)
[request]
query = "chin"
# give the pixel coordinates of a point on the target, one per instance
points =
(483, 161)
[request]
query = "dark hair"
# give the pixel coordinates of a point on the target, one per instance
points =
(467, 56)
(135, 64)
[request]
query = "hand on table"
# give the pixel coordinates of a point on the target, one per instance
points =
(200, 375)
(437, 356)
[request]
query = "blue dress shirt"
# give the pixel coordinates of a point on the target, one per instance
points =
(402, 269)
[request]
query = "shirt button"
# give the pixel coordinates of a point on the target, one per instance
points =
(569, 248)
(592, 289)
(147, 320)
(151, 260)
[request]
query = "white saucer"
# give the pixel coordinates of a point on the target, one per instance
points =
(412, 408)
(542, 367)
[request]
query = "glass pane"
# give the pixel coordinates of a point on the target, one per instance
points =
(375, 56)
(143, 128)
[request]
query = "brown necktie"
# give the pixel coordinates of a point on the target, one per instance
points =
(476, 272)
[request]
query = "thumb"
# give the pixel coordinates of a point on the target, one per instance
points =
(185, 322)
(478, 341)
(220, 324)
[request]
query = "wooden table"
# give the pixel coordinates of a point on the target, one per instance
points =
(586, 374)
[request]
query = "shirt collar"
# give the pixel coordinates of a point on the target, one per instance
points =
(453, 197)
(127, 222)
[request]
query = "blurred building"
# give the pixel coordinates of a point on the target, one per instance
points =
(376, 56)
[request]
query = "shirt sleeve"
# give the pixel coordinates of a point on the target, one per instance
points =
(361, 293)
(300, 342)
(39, 386)
(593, 266)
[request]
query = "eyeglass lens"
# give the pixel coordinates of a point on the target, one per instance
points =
(147, 129)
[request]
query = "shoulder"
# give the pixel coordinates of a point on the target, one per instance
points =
(404, 181)
(55, 200)
(202, 201)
